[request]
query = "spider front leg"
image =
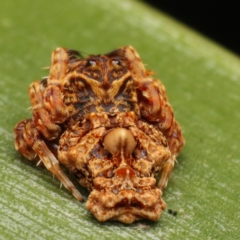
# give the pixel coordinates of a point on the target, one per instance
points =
(155, 108)
(46, 96)
(49, 111)
(31, 144)
(48, 107)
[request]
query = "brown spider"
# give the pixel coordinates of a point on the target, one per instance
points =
(110, 124)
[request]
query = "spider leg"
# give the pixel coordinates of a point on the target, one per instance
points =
(20, 143)
(166, 171)
(30, 143)
(155, 109)
(46, 96)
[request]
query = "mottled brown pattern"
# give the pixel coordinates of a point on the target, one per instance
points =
(110, 124)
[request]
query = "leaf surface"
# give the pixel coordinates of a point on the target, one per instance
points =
(203, 84)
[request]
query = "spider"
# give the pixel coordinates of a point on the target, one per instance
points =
(110, 124)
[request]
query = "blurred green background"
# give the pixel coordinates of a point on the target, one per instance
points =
(203, 85)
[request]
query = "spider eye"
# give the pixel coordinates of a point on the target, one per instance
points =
(116, 62)
(91, 63)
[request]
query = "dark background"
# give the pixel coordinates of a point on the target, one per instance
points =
(218, 20)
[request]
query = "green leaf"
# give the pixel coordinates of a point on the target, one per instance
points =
(203, 85)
